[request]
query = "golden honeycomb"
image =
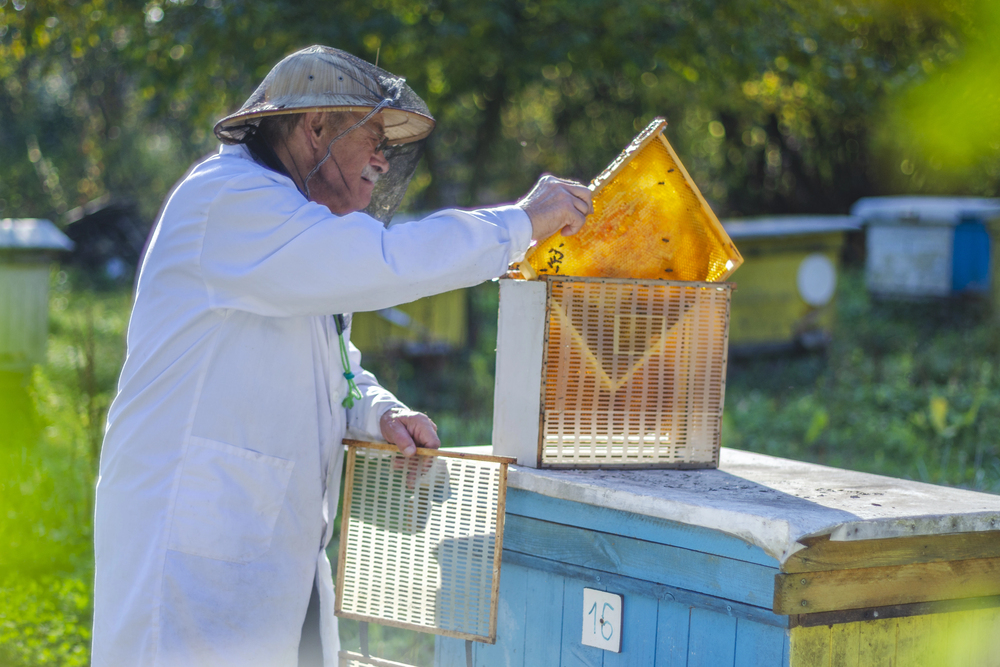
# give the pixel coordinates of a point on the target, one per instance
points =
(649, 222)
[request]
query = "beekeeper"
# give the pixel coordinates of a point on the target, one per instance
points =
(222, 458)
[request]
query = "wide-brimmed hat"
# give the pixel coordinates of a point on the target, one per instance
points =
(321, 78)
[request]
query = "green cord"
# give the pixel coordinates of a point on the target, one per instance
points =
(352, 389)
(353, 393)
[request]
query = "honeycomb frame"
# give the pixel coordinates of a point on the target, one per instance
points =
(650, 221)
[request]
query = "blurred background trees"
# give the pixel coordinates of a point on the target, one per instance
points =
(775, 105)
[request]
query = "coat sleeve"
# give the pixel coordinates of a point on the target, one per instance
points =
(363, 418)
(269, 251)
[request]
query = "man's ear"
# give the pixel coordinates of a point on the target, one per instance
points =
(312, 124)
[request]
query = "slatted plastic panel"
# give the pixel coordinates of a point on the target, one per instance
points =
(634, 373)
(350, 659)
(419, 542)
(649, 222)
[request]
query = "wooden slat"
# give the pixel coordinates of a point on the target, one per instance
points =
(621, 584)
(825, 554)
(758, 644)
(713, 639)
(498, 548)
(673, 622)
(809, 647)
(629, 524)
(883, 586)
(513, 600)
(350, 659)
(574, 653)
(918, 642)
(638, 633)
(845, 647)
(342, 551)
(430, 451)
(543, 617)
(705, 573)
(843, 616)
(877, 643)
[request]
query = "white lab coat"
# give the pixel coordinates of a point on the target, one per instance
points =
(221, 463)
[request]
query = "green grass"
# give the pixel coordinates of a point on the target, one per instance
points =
(907, 389)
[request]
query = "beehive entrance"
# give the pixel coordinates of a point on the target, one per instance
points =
(633, 372)
(421, 540)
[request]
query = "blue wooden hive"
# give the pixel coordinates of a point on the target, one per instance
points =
(763, 561)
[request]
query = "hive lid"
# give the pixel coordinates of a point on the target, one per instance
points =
(925, 209)
(421, 539)
(789, 225)
(649, 222)
(32, 234)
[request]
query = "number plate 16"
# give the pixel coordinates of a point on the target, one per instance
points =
(602, 620)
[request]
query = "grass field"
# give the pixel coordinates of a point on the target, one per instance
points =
(906, 389)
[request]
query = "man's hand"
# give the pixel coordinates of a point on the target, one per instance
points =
(556, 204)
(408, 430)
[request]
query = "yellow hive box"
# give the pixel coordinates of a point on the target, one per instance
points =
(650, 222)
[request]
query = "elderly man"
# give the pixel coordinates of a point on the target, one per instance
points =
(222, 458)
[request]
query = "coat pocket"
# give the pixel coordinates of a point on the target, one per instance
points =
(228, 501)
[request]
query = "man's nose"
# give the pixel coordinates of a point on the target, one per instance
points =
(379, 163)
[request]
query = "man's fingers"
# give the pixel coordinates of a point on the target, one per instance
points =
(583, 195)
(408, 430)
(557, 205)
(402, 439)
(424, 431)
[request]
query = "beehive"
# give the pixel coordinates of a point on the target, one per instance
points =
(649, 222)
(596, 372)
(420, 540)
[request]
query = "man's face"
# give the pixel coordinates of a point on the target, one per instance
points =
(345, 181)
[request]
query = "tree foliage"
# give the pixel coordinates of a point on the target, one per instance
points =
(775, 105)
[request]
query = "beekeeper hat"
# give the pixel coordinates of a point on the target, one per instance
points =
(321, 78)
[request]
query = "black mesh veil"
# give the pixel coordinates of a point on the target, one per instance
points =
(391, 187)
(321, 78)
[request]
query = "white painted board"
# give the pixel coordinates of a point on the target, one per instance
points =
(518, 388)
(909, 260)
(602, 620)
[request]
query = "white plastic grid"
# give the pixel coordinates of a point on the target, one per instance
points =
(634, 373)
(421, 540)
(351, 659)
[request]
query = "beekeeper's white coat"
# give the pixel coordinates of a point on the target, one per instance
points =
(222, 458)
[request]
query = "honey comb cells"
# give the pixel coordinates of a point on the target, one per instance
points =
(649, 222)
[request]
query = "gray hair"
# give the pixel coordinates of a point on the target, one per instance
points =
(277, 129)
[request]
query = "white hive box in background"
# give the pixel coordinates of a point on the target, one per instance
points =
(27, 249)
(611, 373)
(927, 246)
